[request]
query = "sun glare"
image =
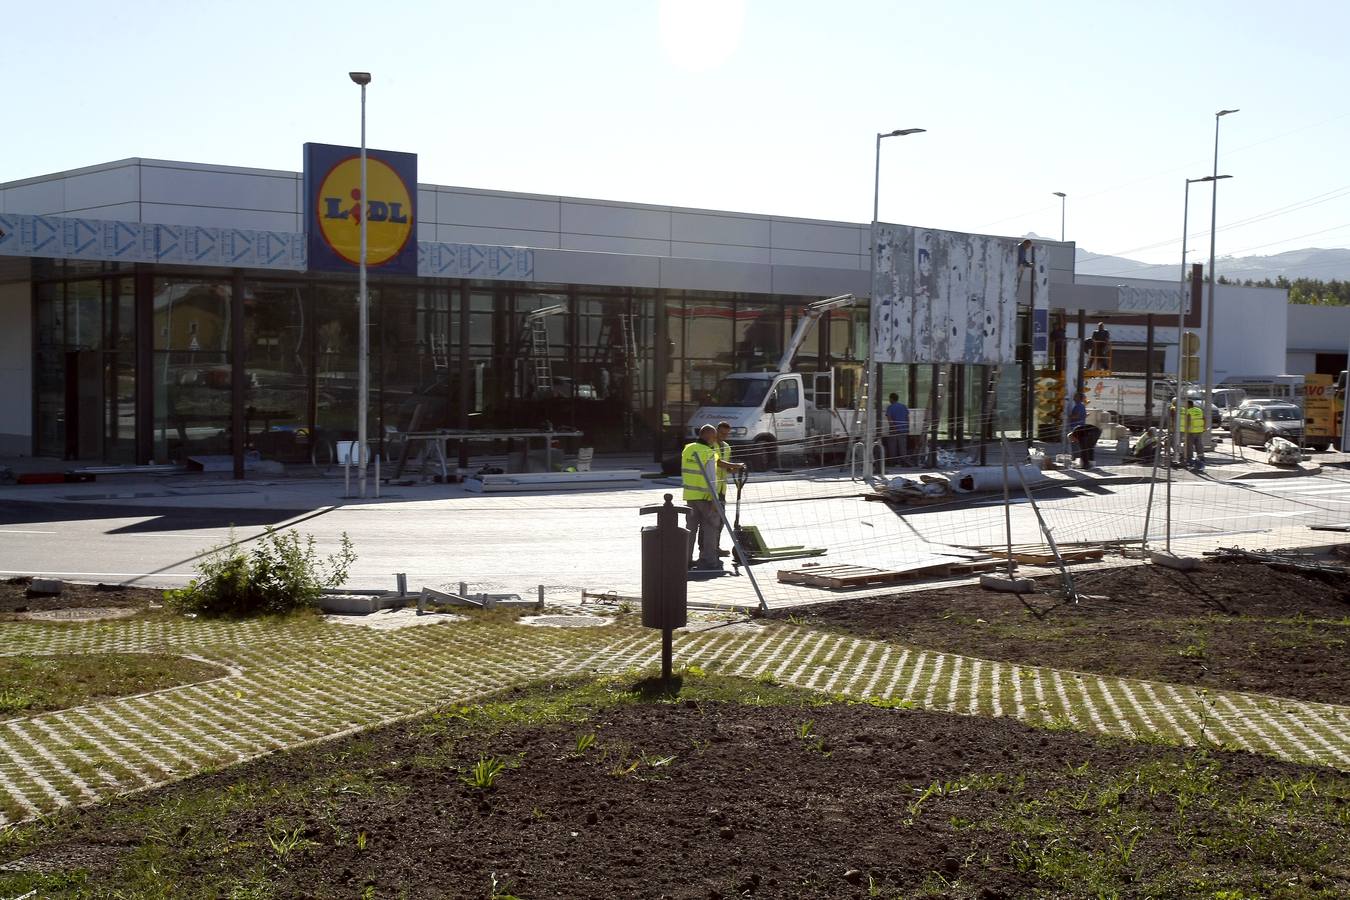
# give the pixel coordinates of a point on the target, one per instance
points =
(701, 35)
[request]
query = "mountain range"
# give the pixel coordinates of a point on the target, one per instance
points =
(1321, 264)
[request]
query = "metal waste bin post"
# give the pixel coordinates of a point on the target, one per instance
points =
(665, 575)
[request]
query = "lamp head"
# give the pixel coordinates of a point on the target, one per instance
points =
(1225, 112)
(1060, 194)
(361, 78)
(901, 132)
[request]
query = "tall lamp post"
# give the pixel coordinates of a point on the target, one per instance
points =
(363, 301)
(1061, 195)
(1213, 277)
(869, 427)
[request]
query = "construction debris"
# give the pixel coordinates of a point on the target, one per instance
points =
(844, 577)
(1282, 562)
(903, 489)
(1283, 452)
(476, 601)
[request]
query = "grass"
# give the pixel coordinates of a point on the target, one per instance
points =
(33, 683)
(1087, 827)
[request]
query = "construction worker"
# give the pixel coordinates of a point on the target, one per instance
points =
(1193, 435)
(700, 467)
(1082, 436)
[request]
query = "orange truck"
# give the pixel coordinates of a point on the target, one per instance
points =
(1323, 410)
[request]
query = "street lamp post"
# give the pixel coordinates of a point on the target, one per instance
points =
(1061, 195)
(363, 301)
(869, 425)
(1213, 277)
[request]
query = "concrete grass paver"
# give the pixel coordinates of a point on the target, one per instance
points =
(299, 681)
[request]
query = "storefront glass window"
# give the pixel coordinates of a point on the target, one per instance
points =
(191, 367)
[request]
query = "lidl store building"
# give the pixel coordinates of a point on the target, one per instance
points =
(152, 310)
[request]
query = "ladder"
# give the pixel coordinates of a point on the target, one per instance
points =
(628, 359)
(440, 352)
(541, 368)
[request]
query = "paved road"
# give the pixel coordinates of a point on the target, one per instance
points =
(569, 542)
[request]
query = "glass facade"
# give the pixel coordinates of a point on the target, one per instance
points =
(444, 354)
(84, 364)
(626, 366)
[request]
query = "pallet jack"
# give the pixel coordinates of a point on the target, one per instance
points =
(752, 541)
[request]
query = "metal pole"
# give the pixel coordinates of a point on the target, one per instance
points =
(1181, 331)
(873, 382)
(1007, 501)
(1213, 276)
(363, 341)
(1152, 482)
(666, 653)
(1168, 543)
(710, 479)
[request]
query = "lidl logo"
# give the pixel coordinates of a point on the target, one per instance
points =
(335, 209)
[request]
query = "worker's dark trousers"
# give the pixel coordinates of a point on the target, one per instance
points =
(1195, 450)
(1085, 438)
(705, 526)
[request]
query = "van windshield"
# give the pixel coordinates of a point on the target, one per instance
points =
(741, 391)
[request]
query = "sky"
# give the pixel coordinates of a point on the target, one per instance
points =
(764, 106)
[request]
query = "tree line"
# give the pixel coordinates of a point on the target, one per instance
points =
(1312, 291)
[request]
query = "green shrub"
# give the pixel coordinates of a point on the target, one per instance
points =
(279, 574)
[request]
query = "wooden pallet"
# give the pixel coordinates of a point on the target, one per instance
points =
(1041, 555)
(844, 577)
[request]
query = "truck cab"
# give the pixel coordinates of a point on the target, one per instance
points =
(780, 413)
(773, 414)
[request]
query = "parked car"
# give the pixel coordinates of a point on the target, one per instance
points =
(1258, 424)
(1257, 403)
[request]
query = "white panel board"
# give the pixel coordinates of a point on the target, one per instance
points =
(946, 297)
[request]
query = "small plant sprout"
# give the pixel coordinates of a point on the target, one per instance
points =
(285, 842)
(484, 773)
(360, 840)
(806, 729)
(584, 742)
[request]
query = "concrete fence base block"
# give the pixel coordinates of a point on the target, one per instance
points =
(1007, 585)
(1180, 563)
(349, 604)
(47, 586)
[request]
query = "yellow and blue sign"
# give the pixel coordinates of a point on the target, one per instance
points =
(334, 209)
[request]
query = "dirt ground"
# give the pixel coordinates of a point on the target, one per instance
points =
(14, 597)
(763, 795)
(1236, 625)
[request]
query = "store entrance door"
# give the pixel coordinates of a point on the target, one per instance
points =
(84, 404)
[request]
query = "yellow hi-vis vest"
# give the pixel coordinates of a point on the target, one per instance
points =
(698, 458)
(1192, 420)
(723, 454)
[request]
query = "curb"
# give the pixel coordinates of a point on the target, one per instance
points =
(1315, 469)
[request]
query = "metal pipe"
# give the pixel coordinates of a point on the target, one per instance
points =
(1213, 276)
(363, 342)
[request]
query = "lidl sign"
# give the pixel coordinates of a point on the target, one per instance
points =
(334, 209)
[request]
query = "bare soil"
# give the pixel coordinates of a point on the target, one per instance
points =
(1234, 625)
(15, 597)
(686, 796)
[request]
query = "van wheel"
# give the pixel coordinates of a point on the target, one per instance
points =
(763, 456)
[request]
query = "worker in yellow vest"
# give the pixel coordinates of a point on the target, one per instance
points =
(700, 466)
(1193, 436)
